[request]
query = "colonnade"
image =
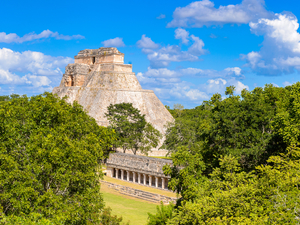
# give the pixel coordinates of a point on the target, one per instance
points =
(140, 178)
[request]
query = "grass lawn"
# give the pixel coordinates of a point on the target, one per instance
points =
(131, 209)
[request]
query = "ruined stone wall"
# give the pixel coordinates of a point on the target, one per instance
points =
(139, 164)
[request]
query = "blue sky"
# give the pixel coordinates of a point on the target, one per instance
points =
(183, 50)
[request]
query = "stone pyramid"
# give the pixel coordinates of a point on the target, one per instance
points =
(99, 78)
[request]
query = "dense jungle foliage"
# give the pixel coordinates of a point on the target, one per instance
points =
(49, 162)
(236, 160)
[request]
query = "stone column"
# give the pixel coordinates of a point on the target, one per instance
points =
(150, 180)
(133, 177)
(156, 182)
(127, 175)
(122, 174)
(144, 179)
(163, 183)
(117, 173)
(139, 178)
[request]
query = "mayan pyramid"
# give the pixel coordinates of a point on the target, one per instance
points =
(99, 78)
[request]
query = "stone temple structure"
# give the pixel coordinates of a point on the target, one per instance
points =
(138, 169)
(99, 78)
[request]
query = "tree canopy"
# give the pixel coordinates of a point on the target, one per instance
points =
(236, 160)
(133, 132)
(49, 161)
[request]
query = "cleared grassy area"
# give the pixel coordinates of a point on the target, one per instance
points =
(131, 209)
(140, 187)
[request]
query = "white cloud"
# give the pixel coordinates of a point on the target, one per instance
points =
(275, 85)
(162, 72)
(182, 34)
(147, 43)
(200, 13)
(168, 84)
(235, 70)
(239, 86)
(219, 85)
(7, 77)
(286, 83)
(35, 63)
(195, 94)
(151, 75)
(145, 80)
(13, 37)
(280, 51)
(115, 42)
(183, 91)
(161, 16)
(227, 72)
(172, 53)
(37, 81)
(197, 46)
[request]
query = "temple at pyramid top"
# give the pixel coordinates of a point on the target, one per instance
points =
(98, 56)
(99, 77)
(102, 68)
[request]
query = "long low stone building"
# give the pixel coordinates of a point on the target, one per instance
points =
(138, 169)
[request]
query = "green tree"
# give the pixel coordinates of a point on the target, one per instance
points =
(245, 169)
(49, 159)
(163, 214)
(238, 125)
(133, 132)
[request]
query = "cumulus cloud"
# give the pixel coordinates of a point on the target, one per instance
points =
(280, 51)
(182, 34)
(209, 73)
(152, 74)
(35, 65)
(219, 85)
(168, 84)
(115, 42)
(200, 13)
(182, 91)
(147, 43)
(37, 81)
(32, 62)
(172, 53)
(197, 46)
(13, 37)
(7, 77)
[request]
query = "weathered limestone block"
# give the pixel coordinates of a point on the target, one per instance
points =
(99, 78)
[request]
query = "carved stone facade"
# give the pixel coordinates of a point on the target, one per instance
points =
(138, 169)
(99, 78)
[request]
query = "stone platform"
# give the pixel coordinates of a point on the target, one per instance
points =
(136, 193)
